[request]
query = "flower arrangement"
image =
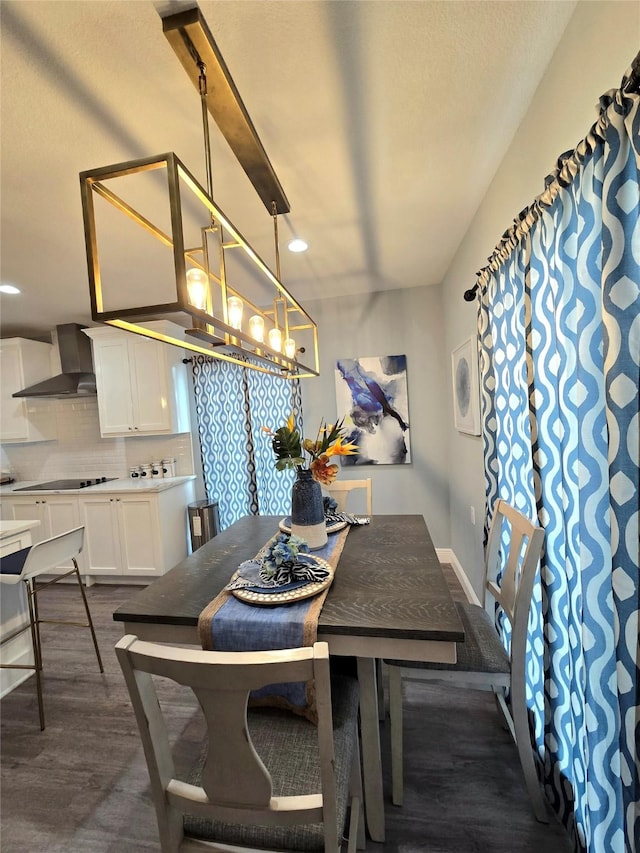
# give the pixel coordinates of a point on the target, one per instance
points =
(280, 559)
(289, 447)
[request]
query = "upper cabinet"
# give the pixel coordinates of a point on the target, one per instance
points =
(141, 383)
(23, 363)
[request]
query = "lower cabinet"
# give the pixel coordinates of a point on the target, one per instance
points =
(13, 615)
(56, 514)
(135, 536)
(122, 535)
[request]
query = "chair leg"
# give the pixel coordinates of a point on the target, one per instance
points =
(395, 718)
(32, 603)
(36, 617)
(380, 686)
(354, 819)
(88, 612)
(507, 720)
(357, 831)
(521, 726)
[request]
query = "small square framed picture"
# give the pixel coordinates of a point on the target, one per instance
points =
(466, 387)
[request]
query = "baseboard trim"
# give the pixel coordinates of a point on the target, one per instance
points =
(118, 580)
(446, 555)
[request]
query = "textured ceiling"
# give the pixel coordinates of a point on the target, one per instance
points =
(384, 121)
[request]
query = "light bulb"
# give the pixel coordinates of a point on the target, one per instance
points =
(256, 327)
(298, 245)
(275, 339)
(235, 306)
(198, 288)
(290, 348)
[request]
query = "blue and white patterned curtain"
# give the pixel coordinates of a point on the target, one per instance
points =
(559, 329)
(232, 404)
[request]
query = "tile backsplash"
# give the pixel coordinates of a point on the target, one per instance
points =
(81, 452)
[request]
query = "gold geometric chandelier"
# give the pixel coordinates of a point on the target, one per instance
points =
(186, 257)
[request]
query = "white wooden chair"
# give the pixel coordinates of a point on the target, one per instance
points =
(268, 779)
(482, 661)
(45, 558)
(339, 490)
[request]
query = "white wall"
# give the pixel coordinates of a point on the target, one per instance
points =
(598, 45)
(79, 451)
(398, 322)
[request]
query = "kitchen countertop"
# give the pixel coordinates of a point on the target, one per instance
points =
(14, 528)
(123, 485)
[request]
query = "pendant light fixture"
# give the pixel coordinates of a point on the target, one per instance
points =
(186, 250)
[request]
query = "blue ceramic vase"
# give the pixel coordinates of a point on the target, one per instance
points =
(307, 510)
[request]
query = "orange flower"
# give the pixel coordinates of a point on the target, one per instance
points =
(340, 449)
(322, 472)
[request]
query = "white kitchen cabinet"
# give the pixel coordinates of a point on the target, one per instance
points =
(122, 535)
(135, 536)
(56, 514)
(141, 383)
(23, 363)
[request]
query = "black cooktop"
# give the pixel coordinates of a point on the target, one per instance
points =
(66, 484)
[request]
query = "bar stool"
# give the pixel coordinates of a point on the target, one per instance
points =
(28, 564)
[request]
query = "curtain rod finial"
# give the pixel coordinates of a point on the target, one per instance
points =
(470, 295)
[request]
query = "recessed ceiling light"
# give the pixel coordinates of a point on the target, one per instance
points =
(9, 288)
(297, 245)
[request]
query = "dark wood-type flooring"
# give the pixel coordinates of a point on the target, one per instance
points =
(81, 785)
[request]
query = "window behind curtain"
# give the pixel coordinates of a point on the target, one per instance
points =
(232, 404)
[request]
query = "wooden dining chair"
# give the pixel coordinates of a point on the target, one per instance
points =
(26, 566)
(482, 661)
(267, 778)
(340, 490)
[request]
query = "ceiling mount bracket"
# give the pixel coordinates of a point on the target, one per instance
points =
(189, 36)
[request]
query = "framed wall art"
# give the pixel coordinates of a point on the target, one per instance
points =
(466, 388)
(372, 397)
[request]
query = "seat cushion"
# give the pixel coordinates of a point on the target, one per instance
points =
(482, 650)
(11, 564)
(288, 746)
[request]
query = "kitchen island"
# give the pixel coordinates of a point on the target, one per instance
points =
(14, 536)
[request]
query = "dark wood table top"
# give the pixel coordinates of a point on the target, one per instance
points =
(388, 582)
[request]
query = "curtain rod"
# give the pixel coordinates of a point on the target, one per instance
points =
(566, 168)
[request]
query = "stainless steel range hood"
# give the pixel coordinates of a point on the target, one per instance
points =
(77, 378)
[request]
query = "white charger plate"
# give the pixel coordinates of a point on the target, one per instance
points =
(255, 596)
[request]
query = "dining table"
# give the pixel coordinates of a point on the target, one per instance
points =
(389, 599)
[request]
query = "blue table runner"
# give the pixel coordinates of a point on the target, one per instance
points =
(228, 624)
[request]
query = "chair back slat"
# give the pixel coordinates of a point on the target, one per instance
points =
(233, 772)
(514, 590)
(51, 553)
